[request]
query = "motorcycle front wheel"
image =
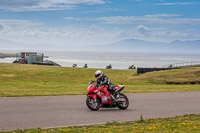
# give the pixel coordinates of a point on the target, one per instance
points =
(123, 101)
(93, 104)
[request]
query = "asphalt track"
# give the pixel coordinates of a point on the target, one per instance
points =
(58, 111)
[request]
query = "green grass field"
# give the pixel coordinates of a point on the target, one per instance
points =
(183, 124)
(36, 80)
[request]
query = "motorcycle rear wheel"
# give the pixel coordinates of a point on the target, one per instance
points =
(93, 104)
(125, 103)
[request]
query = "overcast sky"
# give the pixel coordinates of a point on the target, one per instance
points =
(96, 22)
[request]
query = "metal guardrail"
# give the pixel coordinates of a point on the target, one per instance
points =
(167, 67)
(145, 70)
(181, 64)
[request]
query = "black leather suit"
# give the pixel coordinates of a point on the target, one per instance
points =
(104, 80)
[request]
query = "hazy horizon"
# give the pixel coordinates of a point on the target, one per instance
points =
(117, 60)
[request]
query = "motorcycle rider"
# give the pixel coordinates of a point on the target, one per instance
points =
(102, 79)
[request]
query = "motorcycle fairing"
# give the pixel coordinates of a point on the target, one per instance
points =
(93, 96)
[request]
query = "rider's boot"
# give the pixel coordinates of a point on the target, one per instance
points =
(115, 95)
(113, 98)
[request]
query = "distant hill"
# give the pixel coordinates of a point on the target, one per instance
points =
(145, 46)
(128, 45)
(7, 44)
(193, 46)
(135, 45)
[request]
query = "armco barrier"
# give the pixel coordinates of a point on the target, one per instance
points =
(144, 70)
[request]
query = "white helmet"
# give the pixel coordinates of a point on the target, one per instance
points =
(98, 74)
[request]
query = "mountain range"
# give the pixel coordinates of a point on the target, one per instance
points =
(134, 45)
(128, 45)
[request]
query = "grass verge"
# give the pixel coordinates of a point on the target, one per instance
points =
(36, 80)
(186, 123)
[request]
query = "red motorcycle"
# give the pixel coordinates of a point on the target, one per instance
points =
(101, 97)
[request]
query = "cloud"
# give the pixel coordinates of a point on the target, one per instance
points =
(32, 33)
(95, 11)
(174, 3)
(72, 18)
(1, 26)
(104, 10)
(17, 23)
(147, 19)
(142, 32)
(136, 0)
(113, 9)
(38, 5)
(142, 29)
(162, 15)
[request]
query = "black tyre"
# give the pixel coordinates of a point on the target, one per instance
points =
(93, 104)
(123, 101)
